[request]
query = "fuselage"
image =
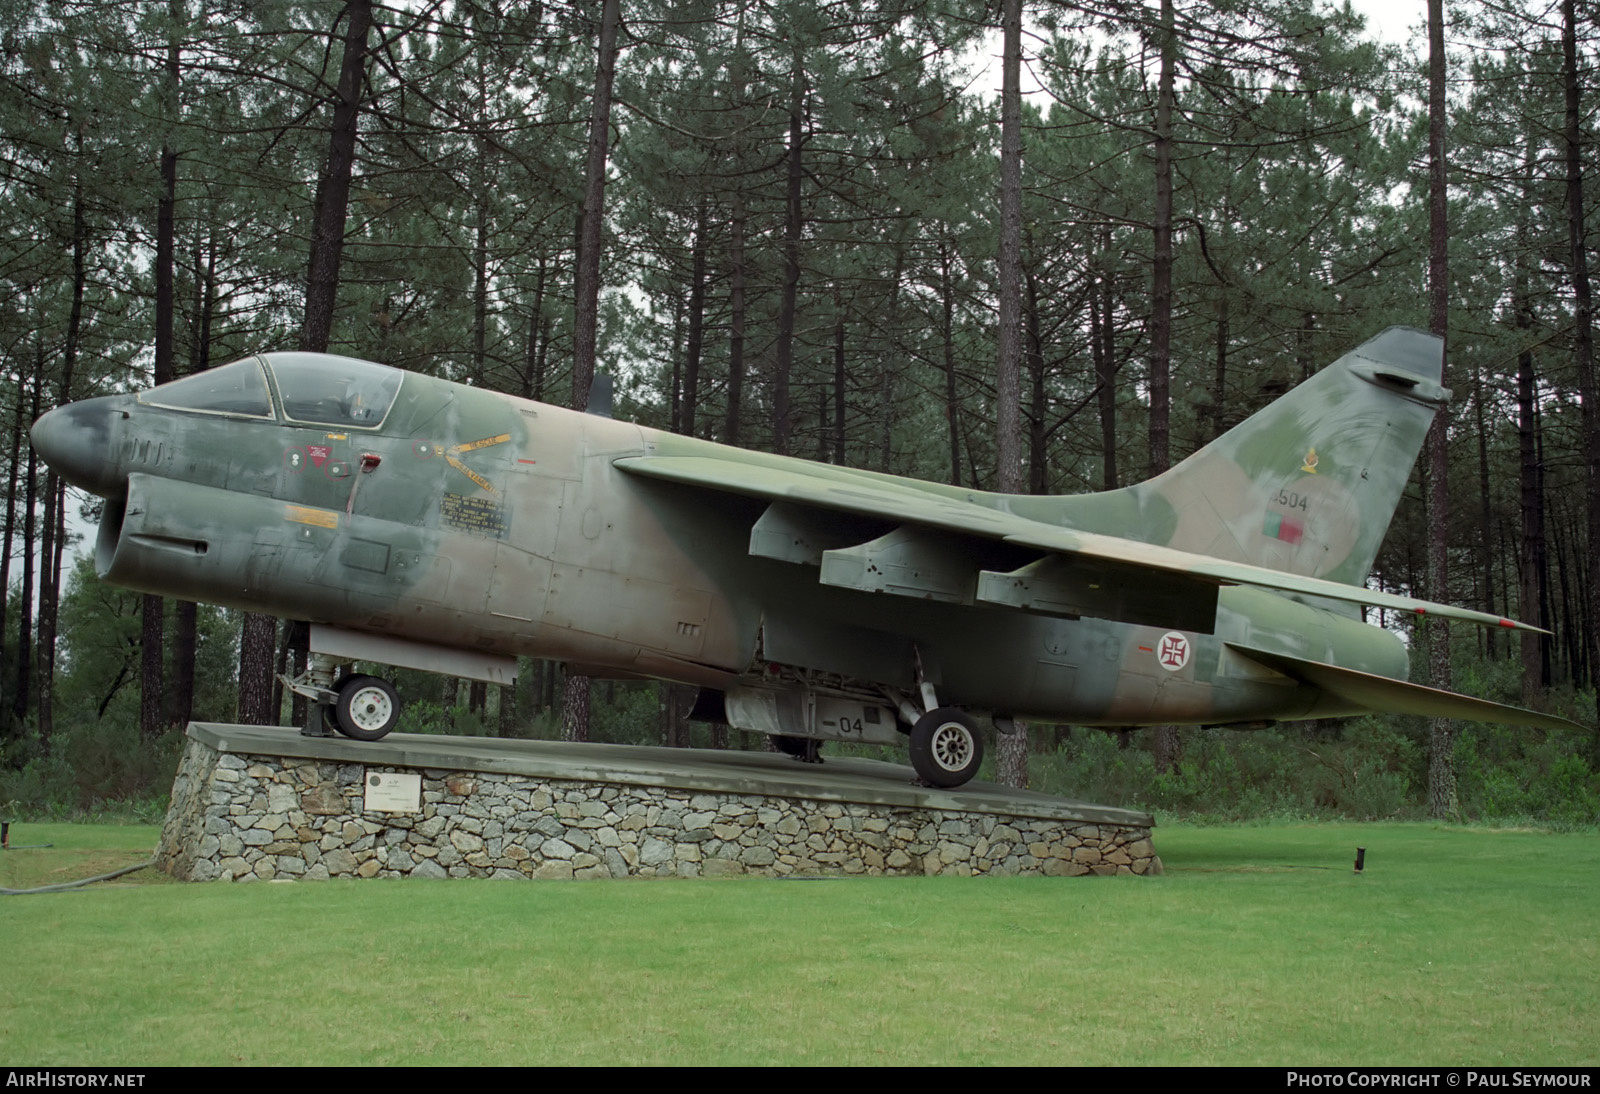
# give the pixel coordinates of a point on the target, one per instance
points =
(468, 519)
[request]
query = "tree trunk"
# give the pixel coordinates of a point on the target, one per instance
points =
(506, 714)
(22, 698)
(1546, 609)
(886, 375)
(530, 368)
(1161, 273)
(1441, 731)
(49, 598)
(1166, 746)
(152, 694)
(736, 306)
(1011, 751)
(781, 423)
(1485, 509)
(586, 313)
(1219, 384)
(257, 643)
(1583, 320)
(575, 709)
(152, 611)
(55, 490)
(1103, 343)
(1532, 512)
(259, 632)
(697, 320)
(839, 379)
(333, 185)
(184, 640)
(19, 423)
(1039, 409)
(952, 406)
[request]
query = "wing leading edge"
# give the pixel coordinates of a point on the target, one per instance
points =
(1079, 573)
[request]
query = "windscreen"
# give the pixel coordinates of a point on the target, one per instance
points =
(237, 388)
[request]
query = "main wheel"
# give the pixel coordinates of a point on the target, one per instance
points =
(368, 708)
(945, 747)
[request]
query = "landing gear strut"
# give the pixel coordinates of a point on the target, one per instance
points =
(804, 749)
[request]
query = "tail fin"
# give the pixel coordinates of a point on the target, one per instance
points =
(1308, 484)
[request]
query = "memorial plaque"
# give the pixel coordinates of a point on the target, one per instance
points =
(393, 792)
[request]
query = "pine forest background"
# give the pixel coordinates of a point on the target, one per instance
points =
(843, 232)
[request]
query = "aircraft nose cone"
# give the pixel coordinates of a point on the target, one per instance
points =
(77, 441)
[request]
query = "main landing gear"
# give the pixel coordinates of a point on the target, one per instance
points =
(946, 749)
(805, 749)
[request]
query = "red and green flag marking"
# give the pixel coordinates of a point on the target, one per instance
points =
(1283, 527)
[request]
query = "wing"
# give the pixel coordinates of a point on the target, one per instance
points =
(940, 546)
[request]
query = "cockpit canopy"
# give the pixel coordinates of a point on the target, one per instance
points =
(313, 388)
(326, 390)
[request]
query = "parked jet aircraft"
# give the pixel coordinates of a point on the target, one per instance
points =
(427, 524)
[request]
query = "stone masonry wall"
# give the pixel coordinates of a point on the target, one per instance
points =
(244, 818)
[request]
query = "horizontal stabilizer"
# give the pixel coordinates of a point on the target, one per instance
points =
(1381, 694)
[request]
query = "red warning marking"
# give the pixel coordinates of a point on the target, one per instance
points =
(1146, 649)
(319, 453)
(527, 461)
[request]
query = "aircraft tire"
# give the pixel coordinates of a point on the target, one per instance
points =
(368, 708)
(789, 746)
(945, 747)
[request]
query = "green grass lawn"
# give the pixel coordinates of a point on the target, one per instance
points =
(1258, 946)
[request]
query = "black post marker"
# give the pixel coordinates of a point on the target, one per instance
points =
(1361, 858)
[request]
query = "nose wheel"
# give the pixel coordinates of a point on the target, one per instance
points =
(368, 708)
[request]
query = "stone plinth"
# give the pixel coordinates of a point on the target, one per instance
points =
(257, 803)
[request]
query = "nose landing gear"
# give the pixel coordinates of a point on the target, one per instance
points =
(364, 708)
(368, 708)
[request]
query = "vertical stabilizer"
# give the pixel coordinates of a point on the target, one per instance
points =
(1307, 485)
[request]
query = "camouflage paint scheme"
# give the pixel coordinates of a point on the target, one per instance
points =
(1225, 591)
